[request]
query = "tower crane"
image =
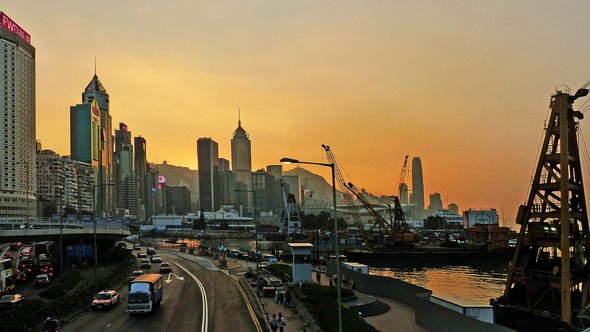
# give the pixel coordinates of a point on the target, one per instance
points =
(353, 208)
(402, 176)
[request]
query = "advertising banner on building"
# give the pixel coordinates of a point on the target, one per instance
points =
(10, 25)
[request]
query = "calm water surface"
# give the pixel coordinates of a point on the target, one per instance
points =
(475, 282)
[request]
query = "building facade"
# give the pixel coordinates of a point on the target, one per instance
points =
(178, 200)
(417, 196)
(143, 189)
(208, 163)
(17, 111)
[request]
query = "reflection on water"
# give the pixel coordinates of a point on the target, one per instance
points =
(475, 282)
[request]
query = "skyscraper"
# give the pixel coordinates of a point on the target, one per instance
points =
(417, 187)
(145, 202)
(241, 161)
(95, 91)
(85, 138)
(208, 163)
(403, 193)
(17, 109)
(436, 204)
(124, 175)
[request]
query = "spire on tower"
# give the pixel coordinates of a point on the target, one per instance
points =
(239, 119)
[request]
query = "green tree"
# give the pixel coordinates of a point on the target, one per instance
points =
(49, 210)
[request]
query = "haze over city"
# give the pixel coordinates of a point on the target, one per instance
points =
(463, 85)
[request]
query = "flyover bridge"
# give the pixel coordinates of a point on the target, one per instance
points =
(11, 231)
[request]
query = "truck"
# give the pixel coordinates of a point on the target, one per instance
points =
(145, 293)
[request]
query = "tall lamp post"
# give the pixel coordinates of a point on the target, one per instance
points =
(26, 163)
(337, 245)
(94, 187)
(255, 233)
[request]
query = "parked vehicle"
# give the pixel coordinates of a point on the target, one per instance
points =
(42, 280)
(135, 274)
(270, 259)
(145, 293)
(165, 268)
(145, 264)
(105, 299)
(156, 259)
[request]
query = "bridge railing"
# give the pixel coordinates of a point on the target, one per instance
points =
(47, 223)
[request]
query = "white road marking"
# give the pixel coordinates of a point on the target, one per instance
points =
(205, 320)
(108, 325)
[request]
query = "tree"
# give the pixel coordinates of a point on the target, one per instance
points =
(49, 210)
(69, 210)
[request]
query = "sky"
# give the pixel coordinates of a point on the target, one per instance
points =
(464, 85)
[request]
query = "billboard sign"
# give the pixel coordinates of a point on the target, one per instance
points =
(9, 24)
(123, 126)
(161, 179)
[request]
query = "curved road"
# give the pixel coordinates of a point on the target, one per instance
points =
(182, 306)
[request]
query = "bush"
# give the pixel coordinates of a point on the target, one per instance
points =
(281, 271)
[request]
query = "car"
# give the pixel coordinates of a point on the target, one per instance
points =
(141, 255)
(156, 259)
(135, 274)
(25, 267)
(15, 246)
(46, 267)
(270, 259)
(145, 264)
(165, 268)
(20, 277)
(7, 255)
(7, 302)
(150, 251)
(41, 280)
(105, 299)
(137, 246)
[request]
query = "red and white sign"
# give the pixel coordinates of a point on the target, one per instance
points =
(9, 24)
(95, 111)
(161, 179)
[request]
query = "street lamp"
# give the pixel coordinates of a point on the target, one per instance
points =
(26, 163)
(94, 186)
(331, 165)
(255, 234)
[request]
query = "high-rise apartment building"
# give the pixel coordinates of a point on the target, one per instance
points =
(417, 188)
(454, 208)
(208, 163)
(151, 202)
(17, 114)
(143, 189)
(95, 91)
(225, 183)
(241, 160)
(403, 193)
(178, 200)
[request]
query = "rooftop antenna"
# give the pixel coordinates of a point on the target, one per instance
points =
(239, 119)
(94, 66)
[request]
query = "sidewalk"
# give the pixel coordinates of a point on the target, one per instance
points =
(269, 306)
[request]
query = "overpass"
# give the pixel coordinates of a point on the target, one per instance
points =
(53, 231)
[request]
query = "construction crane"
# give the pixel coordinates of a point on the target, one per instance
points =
(402, 176)
(397, 229)
(548, 286)
(353, 208)
(291, 219)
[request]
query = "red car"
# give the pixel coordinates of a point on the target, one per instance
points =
(105, 299)
(21, 277)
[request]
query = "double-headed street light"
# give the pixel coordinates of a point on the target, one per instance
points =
(331, 165)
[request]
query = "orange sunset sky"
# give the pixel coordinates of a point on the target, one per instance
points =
(465, 85)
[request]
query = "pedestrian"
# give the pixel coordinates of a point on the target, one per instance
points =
(282, 323)
(318, 277)
(274, 323)
(331, 282)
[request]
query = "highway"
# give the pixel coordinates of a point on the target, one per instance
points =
(215, 305)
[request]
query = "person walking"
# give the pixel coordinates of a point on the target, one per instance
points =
(281, 322)
(274, 323)
(318, 277)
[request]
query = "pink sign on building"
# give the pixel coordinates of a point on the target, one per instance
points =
(9, 24)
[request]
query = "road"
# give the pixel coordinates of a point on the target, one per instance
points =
(182, 307)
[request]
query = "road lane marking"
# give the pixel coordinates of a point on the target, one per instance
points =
(248, 305)
(205, 320)
(108, 325)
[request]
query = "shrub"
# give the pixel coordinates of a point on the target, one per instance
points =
(282, 271)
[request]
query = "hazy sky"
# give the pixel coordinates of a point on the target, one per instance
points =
(465, 85)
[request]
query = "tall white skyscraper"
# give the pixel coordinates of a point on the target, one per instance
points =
(17, 111)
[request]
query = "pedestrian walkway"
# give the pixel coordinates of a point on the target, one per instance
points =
(400, 317)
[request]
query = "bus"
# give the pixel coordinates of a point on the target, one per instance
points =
(145, 293)
(6, 276)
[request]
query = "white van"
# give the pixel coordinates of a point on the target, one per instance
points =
(271, 259)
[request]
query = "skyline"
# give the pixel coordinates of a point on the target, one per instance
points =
(464, 86)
